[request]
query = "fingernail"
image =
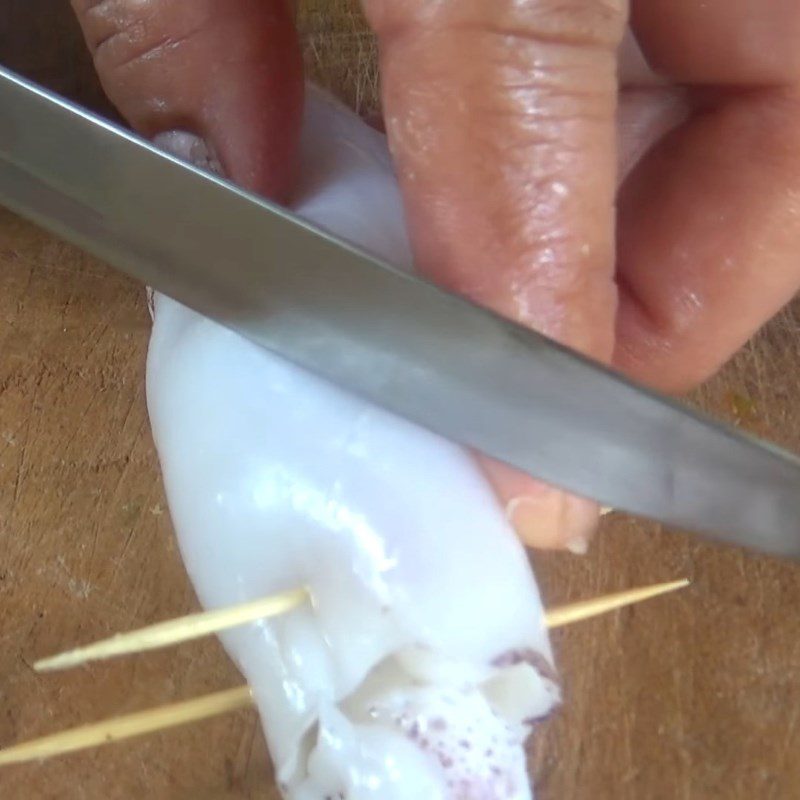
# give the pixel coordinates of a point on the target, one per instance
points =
(191, 148)
(579, 546)
(554, 519)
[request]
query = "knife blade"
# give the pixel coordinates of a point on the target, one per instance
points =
(399, 341)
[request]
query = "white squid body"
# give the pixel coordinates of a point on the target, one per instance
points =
(422, 661)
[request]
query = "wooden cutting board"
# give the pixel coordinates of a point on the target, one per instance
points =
(696, 695)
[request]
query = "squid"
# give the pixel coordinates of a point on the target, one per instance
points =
(421, 663)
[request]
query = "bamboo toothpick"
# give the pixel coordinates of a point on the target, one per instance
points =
(175, 631)
(195, 626)
(173, 715)
(129, 726)
(574, 612)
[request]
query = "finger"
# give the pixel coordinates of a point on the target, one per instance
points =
(229, 72)
(500, 116)
(720, 42)
(709, 221)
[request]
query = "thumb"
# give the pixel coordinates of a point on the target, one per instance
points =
(501, 119)
(221, 80)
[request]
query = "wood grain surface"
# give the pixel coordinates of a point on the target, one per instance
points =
(696, 695)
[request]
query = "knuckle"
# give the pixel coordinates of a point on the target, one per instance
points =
(120, 32)
(599, 23)
(104, 21)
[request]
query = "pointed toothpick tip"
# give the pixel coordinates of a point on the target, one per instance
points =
(175, 631)
(586, 609)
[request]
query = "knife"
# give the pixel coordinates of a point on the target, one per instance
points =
(399, 341)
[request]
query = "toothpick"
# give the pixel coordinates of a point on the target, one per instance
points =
(170, 716)
(175, 631)
(127, 727)
(195, 626)
(575, 612)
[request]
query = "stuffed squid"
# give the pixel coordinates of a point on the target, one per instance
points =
(421, 662)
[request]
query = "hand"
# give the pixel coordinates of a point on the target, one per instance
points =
(502, 118)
